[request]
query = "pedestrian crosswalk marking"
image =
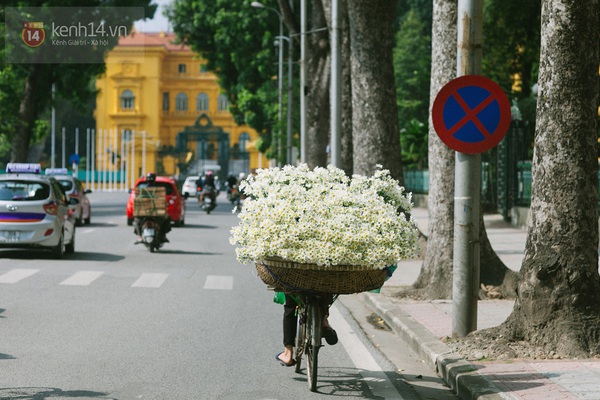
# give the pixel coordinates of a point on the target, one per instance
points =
(16, 275)
(219, 282)
(149, 280)
(145, 280)
(82, 278)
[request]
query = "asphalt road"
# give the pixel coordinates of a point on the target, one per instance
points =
(114, 321)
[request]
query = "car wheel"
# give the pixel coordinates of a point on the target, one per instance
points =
(58, 251)
(129, 221)
(70, 248)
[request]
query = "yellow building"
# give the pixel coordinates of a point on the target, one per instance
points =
(159, 110)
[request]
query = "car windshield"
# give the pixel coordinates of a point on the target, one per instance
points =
(19, 190)
(167, 186)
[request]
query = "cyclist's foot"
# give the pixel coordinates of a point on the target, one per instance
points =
(291, 363)
(330, 335)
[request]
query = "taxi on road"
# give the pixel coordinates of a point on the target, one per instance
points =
(34, 211)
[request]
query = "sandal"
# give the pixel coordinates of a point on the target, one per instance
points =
(283, 363)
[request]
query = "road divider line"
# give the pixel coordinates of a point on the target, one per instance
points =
(372, 373)
(82, 278)
(219, 282)
(16, 275)
(149, 280)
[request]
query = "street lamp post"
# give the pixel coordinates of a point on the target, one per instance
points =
(280, 69)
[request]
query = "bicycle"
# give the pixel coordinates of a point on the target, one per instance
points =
(309, 334)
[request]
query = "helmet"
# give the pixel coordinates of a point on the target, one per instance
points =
(242, 175)
(209, 173)
(151, 177)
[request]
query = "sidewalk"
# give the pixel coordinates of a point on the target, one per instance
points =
(422, 324)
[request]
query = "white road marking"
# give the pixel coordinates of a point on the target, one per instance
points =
(372, 373)
(16, 275)
(82, 278)
(149, 280)
(219, 282)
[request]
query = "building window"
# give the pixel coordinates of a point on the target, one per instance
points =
(181, 68)
(127, 134)
(202, 102)
(223, 103)
(181, 102)
(165, 101)
(243, 139)
(203, 68)
(127, 100)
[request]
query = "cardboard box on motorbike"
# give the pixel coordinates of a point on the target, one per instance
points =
(150, 202)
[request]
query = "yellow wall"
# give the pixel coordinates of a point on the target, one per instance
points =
(148, 70)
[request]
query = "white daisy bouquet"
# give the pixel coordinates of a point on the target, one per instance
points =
(323, 217)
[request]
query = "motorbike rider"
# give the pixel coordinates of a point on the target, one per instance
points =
(165, 223)
(208, 185)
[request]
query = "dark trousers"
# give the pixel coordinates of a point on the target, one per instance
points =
(290, 319)
(290, 322)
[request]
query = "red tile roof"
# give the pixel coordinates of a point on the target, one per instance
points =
(165, 39)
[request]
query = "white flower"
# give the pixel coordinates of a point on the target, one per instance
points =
(323, 217)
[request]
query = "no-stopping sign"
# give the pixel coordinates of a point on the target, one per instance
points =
(471, 114)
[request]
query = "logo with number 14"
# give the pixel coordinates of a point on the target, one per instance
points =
(33, 33)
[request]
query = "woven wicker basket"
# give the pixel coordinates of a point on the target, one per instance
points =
(290, 277)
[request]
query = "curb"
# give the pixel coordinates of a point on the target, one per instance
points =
(456, 372)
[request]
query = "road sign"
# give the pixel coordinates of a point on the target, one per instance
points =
(74, 159)
(471, 114)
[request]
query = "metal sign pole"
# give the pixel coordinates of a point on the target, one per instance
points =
(465, 286)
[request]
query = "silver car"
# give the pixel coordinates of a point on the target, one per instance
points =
(73, 188)
(34, 211)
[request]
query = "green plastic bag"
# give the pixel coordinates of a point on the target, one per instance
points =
(279, 298)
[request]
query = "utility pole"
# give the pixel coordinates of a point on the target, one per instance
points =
(465, 286)
(336, 88)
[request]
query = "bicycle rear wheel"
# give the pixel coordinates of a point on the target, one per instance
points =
(313, 342)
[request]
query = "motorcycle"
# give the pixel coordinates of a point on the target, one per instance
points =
(207, 200)
(151, 233)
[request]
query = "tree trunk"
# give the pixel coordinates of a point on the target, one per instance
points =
(27, 115)
(318, 69)
(376, 139)
(558, 301)
(434, 281)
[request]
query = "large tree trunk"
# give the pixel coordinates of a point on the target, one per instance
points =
(376, 139)
(434, 281)
(558, 301)
(27, 115)
(318, 69)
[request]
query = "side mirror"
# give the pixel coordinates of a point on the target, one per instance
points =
(88, 191)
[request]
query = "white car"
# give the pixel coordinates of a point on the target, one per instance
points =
(34, 211)
(189, 188)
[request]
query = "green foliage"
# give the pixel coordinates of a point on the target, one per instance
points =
(412, 70)
(414, 141)
(511, 42)
(237, 42)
